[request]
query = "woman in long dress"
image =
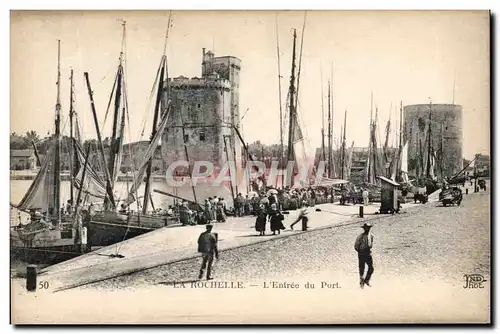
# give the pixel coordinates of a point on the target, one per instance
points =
(260, 222)
(276, 221)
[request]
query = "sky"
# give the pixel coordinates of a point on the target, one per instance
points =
(407, 57)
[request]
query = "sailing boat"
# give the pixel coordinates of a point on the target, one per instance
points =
(109, 226)
(296, 143)
(50, 236)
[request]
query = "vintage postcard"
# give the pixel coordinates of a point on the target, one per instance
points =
(250, 167)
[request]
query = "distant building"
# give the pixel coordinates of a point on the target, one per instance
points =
(482, 163)
(22, 159)
(446, 132)
(205, 113)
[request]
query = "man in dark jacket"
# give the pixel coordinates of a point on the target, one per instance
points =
(239, 205)
(207, 246)
(363, 245)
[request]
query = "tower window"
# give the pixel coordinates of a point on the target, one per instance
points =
(202, 135)
(199, 105)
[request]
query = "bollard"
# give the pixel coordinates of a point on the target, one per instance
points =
(304, 223)
(476, 189)
(31, 278)
(361, 211)
(466, 191)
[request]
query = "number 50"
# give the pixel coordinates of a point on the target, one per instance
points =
(43, 285)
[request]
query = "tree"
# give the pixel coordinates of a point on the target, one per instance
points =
(18, 142)
(32, 136)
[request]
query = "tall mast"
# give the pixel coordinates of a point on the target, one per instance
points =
(147, 190)
(109, 188)
(292, 104)
(441, 155)
(370, 140)
(332, 158)
(376, 161)
(330, 167)
(339, 146)
(323, 153)
(230, 175)
(343, 144)
(399, 161)
(71, 152)
(401, 124)
(56, 212)
(280, 104)
(429, 145)
(113, 144)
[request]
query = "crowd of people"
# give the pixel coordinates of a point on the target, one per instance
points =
(266, 207)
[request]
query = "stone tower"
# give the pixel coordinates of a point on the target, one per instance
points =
(205, 113)
(446, 131)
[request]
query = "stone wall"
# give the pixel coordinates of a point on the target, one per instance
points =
(446, 126)
(206, 109)
(203, 107)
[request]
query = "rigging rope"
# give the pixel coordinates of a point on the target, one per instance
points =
(134, 169)
(110, 99)
(300, 57)
(148, 106)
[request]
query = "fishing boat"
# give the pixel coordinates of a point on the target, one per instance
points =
(426, 166)
(297, 151)
(117, 221)
(49, 235)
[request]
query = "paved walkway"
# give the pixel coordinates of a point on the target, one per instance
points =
(168, 245)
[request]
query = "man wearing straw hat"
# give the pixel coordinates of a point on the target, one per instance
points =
(363, 245)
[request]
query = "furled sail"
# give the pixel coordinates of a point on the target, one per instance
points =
(375, 161)
(393, 167)
(349, 160)
(139, 176)
(404, 163)
(40, 193)
(119, 148)
(432, 175)
(304, 161)
(94, 184)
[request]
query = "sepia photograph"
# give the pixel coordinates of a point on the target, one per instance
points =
(260, 167)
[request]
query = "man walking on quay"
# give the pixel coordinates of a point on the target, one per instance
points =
(302, 217)
(363, 245)
(207, 246)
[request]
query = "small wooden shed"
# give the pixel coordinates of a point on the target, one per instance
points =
(388, 195)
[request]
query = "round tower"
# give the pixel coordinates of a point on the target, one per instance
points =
(446, 137)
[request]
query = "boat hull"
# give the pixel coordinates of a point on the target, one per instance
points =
(45, 246)
(109, 228)
(46, 255)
